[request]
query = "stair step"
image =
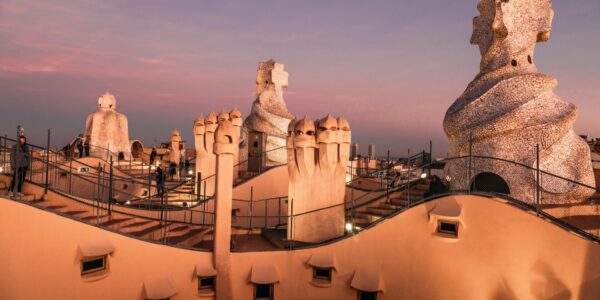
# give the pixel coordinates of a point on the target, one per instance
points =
(148, 230)
(137, 223)
(75, 212)
(114, 221)
(378, 212)
(399, 202)
(197, 232)
(585, 222)
(93, 217)
(55, 207)
(362, 224)
(391, 206)
(179, 228)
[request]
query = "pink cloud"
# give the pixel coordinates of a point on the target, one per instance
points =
(153, 61)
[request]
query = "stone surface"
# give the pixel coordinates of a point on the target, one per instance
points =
(317, 161)
(510, 108)
(269, 113)
(107, 130)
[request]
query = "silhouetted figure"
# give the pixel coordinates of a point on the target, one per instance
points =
(79, 145)
(152, 155)
(19, 163)
(86, 147)
(160, 181)
(181, 169)
(187, 166)
(172, 170)
(67, 151)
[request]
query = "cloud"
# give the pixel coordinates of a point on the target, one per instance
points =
(153, 61)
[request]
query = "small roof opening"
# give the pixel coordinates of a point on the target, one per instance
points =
(159, 288)
(322, 260)
(367, 280)
(94, 248)
(264, 274)
(205, 270)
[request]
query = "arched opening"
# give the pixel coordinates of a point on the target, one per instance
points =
(121, 156)
(490, 182)
(137, 150)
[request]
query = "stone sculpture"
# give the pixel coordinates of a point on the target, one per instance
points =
(510, 107)
(317, 161)
(204, 130)
(226, 147)
(269, 113)
(107, 131)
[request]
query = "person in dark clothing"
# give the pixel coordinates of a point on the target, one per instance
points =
(67, 151)
(181, 169)
(152, 155)
(172, 170)
(20, 163)
(79, 145)
(187, 167)
(160, 181)
(86, 147)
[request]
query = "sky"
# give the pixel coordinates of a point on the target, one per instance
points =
(392, 68)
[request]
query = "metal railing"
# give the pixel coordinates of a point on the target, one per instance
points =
(97, 189)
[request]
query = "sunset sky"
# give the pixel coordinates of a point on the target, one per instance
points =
(392, 68)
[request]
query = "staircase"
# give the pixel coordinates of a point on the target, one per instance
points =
(585, 216)
(381, 207)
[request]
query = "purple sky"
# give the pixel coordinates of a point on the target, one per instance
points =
(392, 68)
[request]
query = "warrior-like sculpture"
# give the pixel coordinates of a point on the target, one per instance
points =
(107, 131)
(204, 130)
(269, 113)
(317, 160)
(510, 108)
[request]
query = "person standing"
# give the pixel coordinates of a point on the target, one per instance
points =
(19, 163)
(86, 147)
(152, 155)
(181, 169)
(160, 181)
(79, 145)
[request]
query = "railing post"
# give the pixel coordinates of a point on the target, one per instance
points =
(31, 163)
(279, 211)
(98, 194)
(47, 163)
(16, 171)
(469, 170)
(250, 207)
(387, 185)
(352, 195)
(70, 174)
(149, 183)
(537, 180)
(204, 196)
(5, 165)
(408, 179)
(266, 211)
(110, 186)
(291, 225)
(430, 158)
(198, 186)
